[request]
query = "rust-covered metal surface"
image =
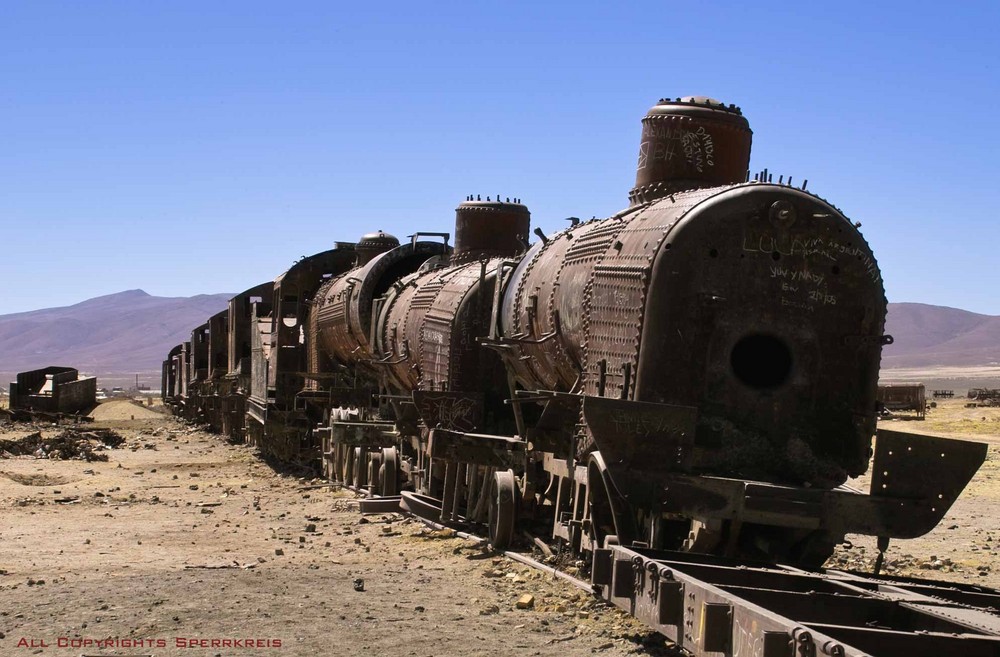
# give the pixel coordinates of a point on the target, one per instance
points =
(904, 397)
(429, 327)
(241, 309)
(490, 229)
(218, 345)
(541, 325)
(372, 244)
(691, 378)
(344, 315)
(689, 143)
(198, 362)
(766, 296)
(709, 607)
(721, 298)
(294, 293)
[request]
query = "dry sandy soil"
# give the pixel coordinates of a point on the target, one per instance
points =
(180, 536)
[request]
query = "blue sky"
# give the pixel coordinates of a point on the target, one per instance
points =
(200, 147)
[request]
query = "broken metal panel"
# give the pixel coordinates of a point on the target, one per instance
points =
(925, 469)
(260, 349)
(642, 436)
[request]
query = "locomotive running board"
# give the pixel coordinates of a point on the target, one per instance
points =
(711, 606)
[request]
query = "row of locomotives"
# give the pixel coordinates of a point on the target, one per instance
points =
(207, 379)
(688, 383)
(696, 373)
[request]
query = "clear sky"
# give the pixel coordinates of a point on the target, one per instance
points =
(201, 147)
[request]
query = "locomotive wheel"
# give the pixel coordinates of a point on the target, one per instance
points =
(374, 461)
(388, 472)
(609, 511)
(360, 468)
(503, 509)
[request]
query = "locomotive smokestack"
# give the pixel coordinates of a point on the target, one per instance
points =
(689, 143)
(489, 229)
(372, 244)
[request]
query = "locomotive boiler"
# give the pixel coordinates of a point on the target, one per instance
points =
(697, 372)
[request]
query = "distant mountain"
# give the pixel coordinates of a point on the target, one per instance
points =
(936, 336)
(132, 332)
(129, 331)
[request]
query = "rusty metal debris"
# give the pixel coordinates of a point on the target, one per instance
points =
(697, 373)
(68, 444)
(53, 390)
(984, 397)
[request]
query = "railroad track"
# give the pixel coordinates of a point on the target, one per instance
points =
(710, 606)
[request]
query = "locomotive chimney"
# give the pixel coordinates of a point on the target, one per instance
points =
(372, 244)
(489, 229)
(689, 143)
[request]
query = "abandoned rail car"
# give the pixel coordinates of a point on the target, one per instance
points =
(903, 398)
(53, 389)
(694, 375)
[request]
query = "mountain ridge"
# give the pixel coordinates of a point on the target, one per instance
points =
(129, 331)
(132, 331)
(940, 336)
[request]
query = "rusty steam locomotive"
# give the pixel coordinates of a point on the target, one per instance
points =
(696, 373)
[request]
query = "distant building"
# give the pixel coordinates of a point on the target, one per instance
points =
(53, 390)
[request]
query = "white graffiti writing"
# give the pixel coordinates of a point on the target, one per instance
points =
(663, 143)
(797, 276)
(830, 250)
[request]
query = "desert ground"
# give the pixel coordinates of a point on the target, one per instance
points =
(180, 543)
(180, 537)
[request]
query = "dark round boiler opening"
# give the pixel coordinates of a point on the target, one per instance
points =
(761, 361)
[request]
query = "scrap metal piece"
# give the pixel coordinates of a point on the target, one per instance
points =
(386, 504)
